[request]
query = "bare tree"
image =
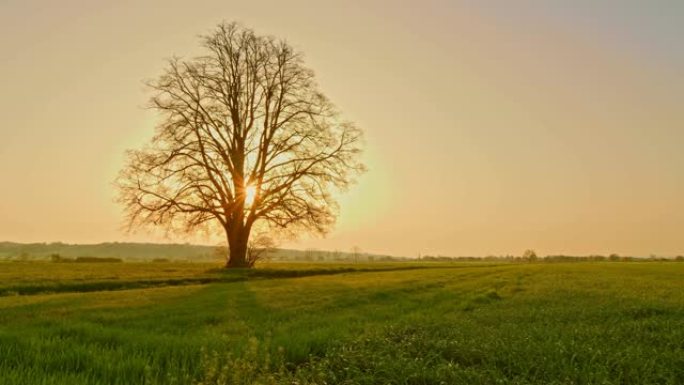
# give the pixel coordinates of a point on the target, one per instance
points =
(356, 251)
(259, 247)
(530, 255)
(245, 137)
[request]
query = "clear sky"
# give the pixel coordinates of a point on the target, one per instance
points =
(491, 126)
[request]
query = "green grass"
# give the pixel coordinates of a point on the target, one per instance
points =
(580, 323)
(23, 278)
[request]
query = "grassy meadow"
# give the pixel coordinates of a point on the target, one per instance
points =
(401, 323)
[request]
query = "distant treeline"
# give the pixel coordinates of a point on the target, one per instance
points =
(116, 250)
(62, 252)
(59, 258)
(552, 258)
(152, 252)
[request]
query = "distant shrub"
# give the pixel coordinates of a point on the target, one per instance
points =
(96, 259)
(530, 255)
(160, 260)
(59, 259)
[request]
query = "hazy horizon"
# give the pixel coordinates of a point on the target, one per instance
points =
(491, 127)
(171, 243)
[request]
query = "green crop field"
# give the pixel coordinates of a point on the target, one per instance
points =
(459, 323)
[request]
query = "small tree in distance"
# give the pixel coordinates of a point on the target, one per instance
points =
(245, 138)
(259, 248)
(356, 252)
(530, 255)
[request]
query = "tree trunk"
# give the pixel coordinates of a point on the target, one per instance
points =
(237, 246)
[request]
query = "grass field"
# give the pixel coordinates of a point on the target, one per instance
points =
(171, 323)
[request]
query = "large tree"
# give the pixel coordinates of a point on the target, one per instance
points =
(245, 138)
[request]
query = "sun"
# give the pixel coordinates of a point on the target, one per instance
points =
(250, 193)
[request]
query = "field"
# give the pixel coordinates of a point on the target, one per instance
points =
(458, 323)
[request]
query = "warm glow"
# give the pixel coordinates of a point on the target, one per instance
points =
(491, 127)
(250, 193)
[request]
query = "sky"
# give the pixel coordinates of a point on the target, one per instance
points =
(491, 127)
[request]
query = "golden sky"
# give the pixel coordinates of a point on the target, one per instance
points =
(491, 126)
